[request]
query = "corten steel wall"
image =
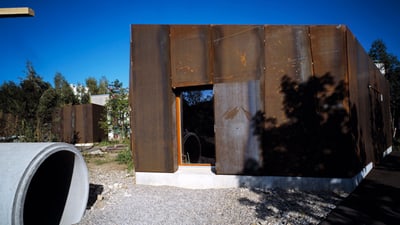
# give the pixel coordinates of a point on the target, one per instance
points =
(312, 92)
(372, 115)
(152, 101)
(80, 123)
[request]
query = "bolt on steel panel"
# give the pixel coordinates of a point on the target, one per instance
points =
(152, 101)
(191, 55)
(287, 53)
(235, 142)
(238, 52)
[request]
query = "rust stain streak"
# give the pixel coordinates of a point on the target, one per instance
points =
(228, 115)
(246, 113)
(243, 58)
(232, 113)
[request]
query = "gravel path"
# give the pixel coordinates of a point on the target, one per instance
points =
(123, 202)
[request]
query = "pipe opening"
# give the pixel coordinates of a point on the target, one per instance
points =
(48, 190)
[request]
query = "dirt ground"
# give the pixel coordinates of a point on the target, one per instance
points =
(106, 175)
(106, 162)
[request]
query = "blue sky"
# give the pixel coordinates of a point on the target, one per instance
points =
(82, 38)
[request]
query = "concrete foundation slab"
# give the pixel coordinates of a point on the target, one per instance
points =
(203, 177)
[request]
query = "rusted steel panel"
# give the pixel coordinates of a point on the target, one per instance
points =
(365, 103)
(287, 53)
(66, 124)
(388, 116)
(238, 53)
(80, 124)
(191, 55)
(385, 88)
(385, 102)
(98, 112)
(369, 104)
(356, 91)
(152, 101)
(236, 144)
(307, 131)
(329, 56)
(380, 116)
(328, 49)
(315, 91)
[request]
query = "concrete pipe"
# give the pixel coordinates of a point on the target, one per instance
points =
(42, 183)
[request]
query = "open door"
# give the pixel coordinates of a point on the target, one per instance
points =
(195, 117)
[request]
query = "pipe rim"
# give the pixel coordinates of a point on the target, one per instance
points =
(31, 169)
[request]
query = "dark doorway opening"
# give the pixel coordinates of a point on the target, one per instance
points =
(197, 126)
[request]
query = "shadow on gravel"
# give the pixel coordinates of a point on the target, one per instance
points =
(295, 207)
(94, 191)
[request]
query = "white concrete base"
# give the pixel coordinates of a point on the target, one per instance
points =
(84, 145)
(387, 152)
(202, 177)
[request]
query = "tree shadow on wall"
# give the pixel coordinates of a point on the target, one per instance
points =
(377, 123)
(317, 139)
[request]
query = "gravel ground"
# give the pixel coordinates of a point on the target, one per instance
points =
(123, 202)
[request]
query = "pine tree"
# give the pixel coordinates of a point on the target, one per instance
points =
(391, 66)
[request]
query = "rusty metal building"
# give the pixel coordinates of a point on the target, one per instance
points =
(288, 100)
(80, 123)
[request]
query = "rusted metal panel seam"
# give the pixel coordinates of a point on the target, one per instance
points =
(311, 51)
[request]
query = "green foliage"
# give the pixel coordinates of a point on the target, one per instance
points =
(117, 106)
(107, 143)
(103, 86)
(125, 157)
(32, 87)
(91, 84)
(379, 54)
(97, 88)
(11, 108)
(48, 103)
(31, 108)
(64, 90)
(82, 95)
(192, 97)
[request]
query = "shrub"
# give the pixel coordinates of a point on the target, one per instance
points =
(125, 157)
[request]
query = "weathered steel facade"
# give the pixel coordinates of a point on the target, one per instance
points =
(80, 123)
(288, 100)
